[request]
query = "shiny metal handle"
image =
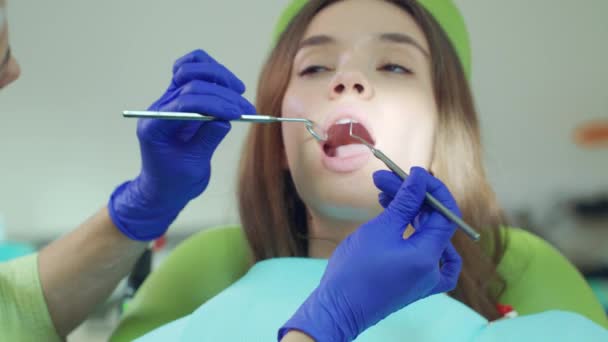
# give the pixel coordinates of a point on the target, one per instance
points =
(430, 199)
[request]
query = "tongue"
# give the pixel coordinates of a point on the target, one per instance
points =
(351, 150)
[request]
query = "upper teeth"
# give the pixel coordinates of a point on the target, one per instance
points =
(345, 121)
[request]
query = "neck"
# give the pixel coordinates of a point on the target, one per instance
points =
(326, 233)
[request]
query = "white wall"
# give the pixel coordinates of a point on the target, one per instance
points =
(539, 70)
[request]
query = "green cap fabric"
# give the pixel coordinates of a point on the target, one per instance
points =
(444, 11)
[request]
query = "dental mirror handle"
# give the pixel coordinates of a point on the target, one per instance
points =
(193, 116)
(468, 230)
(253, 118)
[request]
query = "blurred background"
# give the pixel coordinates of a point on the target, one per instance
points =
(539, 79)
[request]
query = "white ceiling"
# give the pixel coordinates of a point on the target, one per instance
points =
(539, 70)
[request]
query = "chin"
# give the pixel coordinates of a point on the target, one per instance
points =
(343, 191)
(350, 196)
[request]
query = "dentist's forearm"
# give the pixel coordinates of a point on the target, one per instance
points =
(80, 270)
(296, 336)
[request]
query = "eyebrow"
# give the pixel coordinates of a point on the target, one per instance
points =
(316, 41)
(391, 37)
(401, 38)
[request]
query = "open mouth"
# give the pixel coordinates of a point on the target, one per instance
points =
(339, 140)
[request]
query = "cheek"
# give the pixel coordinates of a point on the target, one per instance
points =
(411, 142)
(290, 145)
(303, 100)
(300, 101)
(293, 106)
(408, 133)
(421, 140)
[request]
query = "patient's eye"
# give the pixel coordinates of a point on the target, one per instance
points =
(313, 69)
(395, 68)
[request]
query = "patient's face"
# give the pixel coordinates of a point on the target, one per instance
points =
(377, 74)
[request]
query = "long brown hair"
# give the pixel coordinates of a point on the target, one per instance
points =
(275, 218)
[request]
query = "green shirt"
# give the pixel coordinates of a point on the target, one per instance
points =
(24, 315)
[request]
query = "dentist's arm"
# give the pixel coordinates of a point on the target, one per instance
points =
(296, 336)
(80, 270)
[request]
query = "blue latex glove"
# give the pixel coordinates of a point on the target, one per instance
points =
(375, 272)
(176, 154)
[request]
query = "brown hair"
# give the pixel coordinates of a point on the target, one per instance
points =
(275, 218)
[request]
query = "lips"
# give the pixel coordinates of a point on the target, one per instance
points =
(339, 138)
(341, 151)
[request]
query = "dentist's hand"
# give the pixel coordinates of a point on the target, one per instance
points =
(375, 272)
(176, 154)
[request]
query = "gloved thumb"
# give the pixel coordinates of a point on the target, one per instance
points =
(210, 135)
(409, 198)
